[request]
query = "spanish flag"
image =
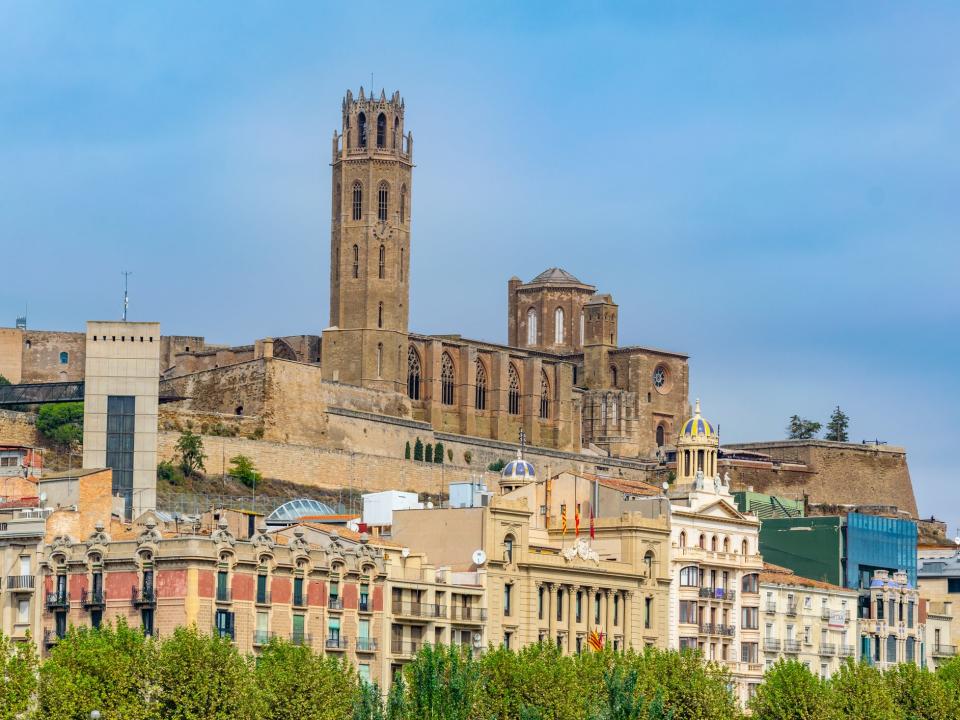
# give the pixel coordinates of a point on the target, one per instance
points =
(563, 518)
(576, 520)
(595, 639)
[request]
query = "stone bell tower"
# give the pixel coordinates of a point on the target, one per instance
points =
(366, 343)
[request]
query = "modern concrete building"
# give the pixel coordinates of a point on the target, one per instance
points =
(806, 620)
(120, 408)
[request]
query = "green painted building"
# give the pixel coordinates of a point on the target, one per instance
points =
(767, 506)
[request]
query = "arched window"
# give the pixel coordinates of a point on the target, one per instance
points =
(446, 379)
(396, 130)
(544, 396)
(614, 411)
(703, 541)
(613, 376)
(558, 326)
(381, 130)
(362, 125)
(713, 543)
(660, 434)
(682, 541)
(382, 272)
(64, 358)
(513, 393)
(401, 264)
(356, 261)
(690, 576)
(380, 315)
(413, 374)
(531, 326)
(403, 204)
(750, 583)
(648, 564)
(481, 386)
(383, 200)
(357, 200)
(379, 359)
(744, 547)
(726, 544)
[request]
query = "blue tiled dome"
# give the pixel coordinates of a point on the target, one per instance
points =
(518, 469)
(697, 426)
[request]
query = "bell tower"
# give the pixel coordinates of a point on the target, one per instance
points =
(366, 343)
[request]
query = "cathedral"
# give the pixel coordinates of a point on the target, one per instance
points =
(562, 379)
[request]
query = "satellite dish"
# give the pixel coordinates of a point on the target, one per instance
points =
(405, 552)
(956, 540)
(43, 497)
(666, 485)
(479, 557)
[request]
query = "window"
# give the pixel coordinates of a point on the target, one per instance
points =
(362, 130)
(616, 609)
(596, 608)
(64, 358)
(750, 618)
(713, 543)
(688, 643)
(559, 604)
(744, 548)
(749, 653)
(647, 612)
(690, 576)
(380, 356)
(544, 396)
(401, 264)
(146, 618)
(910, 649)
(531, 326)
(446, 379)
(356, 261)
(891, 648)
(333, 632)
(953, 585)
(702, 542)
(381, 130)
(726, 544)
(298, 592)
(120, 430)
(357, 200)
(750, 583)
(613, 375)
(413, 374)
(403, 204)
(879, 609)
(506, 608)
(223, 624)
(262, 596)
(581, 327)
(513, 394)
(558, 326)
(382, 270)
(223, 594)
(383, 200)
(579, 611)
(648, 564)
(363, 672)
(364, 597)
(481, 400)
(683, 539)
(688, 612)
(508, 549)
(380, 315)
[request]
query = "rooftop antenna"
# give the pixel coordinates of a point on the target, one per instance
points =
(126, 298)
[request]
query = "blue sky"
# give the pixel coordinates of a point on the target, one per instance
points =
(769, 187)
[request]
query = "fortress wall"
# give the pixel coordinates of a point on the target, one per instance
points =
(18, 428)
(840, 473)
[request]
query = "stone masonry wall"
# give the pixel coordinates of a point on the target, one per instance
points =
(18, 428)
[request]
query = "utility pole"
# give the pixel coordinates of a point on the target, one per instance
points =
(126, 299)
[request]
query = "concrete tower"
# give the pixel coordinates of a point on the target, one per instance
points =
(366, 344)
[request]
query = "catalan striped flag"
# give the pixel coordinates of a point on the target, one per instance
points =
(595, 640)
(563, 518)
(576, 520)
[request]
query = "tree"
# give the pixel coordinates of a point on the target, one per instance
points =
(406, 451)
(190, 447)
(112, 670)
(497, 465)
(428, 453)
(837, 427)
(203, 676)
(438, 453)
(293, 682)
(418, 450)
(918, 694)
(858, 692)
(949, 675)
(18, 666)
(369, 703)
(168, 472)
(790, 692)
(802, 429)
(4, 381)
(62, 423)
(442, 684)
(243, 469)
(623, 702)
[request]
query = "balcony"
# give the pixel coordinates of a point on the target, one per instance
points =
(770, 607)
(261, 637)
(365, 605)
(366, 645)
(847, 651)
(263, 598)
(93, 599)
(229, 633)
(792, 609)
(335, 603)
(300, 638)
(51, 638)
(337, 642)
(299, 600)
(418, 609)
(791, 646)
(828, 649)
(224, 595)
(58, 600)
(21, 583)
(727, 630)
(143, 597)
(407, 648)
(771, 644)
(467, 614)
(718, 594)
(944, 650)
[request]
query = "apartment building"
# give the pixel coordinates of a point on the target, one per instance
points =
(22, 530)
(891, 621)
(806, 620)
(938, 578)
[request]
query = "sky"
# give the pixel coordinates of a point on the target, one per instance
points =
(769, 187)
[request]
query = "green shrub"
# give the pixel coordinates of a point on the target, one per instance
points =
(438, 453)
(418, 450)
(243, 470)
(497, 465)
(168, 472)
(61, 423)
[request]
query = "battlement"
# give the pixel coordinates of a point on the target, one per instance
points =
(372, 126)
(370, 102)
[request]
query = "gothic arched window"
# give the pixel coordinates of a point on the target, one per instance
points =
(614, 411)
(357, 200)
(396, 130)
(413, 374)
(481, 386)
(381, 130)
(356, 261)
(446, 379)
(558, 327)
(513, 393)
(532, 326)
(660, 434)
(544, 396)
(362, 125)
(401, 264)
(613, 375)
(383, 200)
(403, 203)
(380, 315)
(383, 262)
(379, 359)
